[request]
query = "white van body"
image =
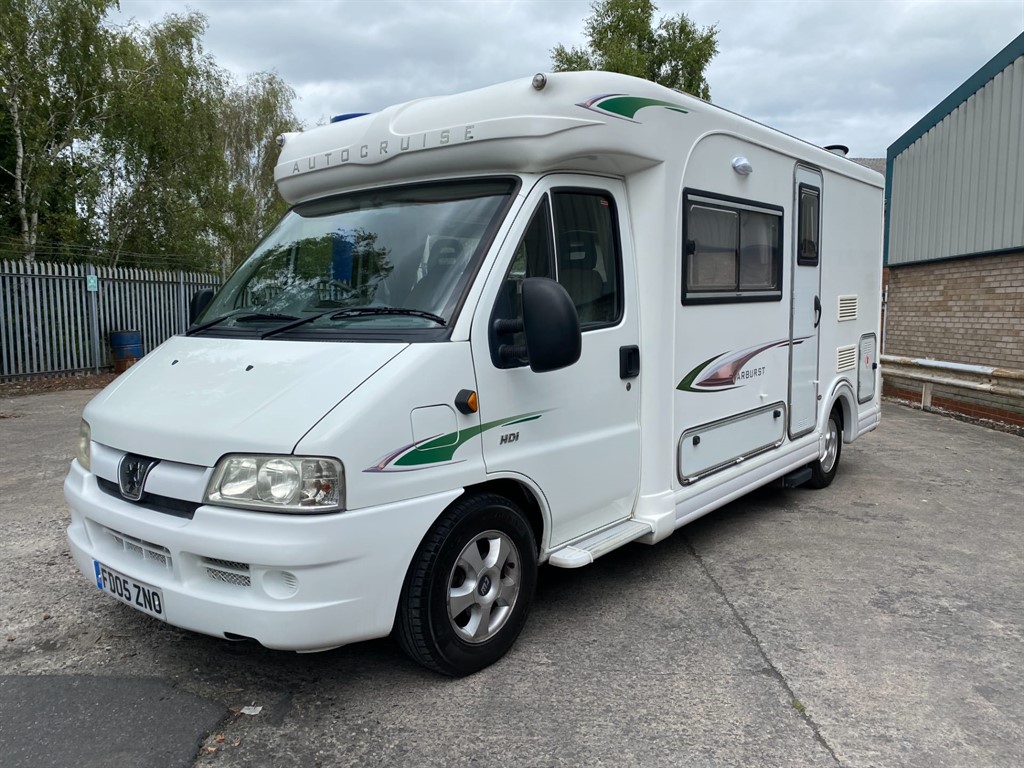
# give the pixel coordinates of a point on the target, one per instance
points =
(726, 278)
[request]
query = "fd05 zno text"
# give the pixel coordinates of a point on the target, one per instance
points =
(519, 326)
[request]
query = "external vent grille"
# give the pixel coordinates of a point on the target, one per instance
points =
(227, 571)
(847, 308)
(143, 550)
(846, 358)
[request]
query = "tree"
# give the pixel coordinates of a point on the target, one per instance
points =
(253, 115)
(621, 37)
(54, 81)
(157, 155)
(131, 141)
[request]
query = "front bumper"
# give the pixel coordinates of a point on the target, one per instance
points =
(291, 582)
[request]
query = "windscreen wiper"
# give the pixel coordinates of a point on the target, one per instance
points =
(356, 311)
(241, 316)
(337, 314)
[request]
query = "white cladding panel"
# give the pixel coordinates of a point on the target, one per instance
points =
(959, 189)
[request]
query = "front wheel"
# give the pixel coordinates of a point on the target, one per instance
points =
(823, 471)
(469, 587)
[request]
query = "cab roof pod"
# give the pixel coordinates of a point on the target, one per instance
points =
(576, 121)
(511, 126)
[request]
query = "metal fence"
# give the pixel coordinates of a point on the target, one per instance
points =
(56, 319)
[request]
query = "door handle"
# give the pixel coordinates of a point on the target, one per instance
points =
(629, 362)
(817, 311)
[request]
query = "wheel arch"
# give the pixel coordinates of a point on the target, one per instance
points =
(843, 399)
(529, 499)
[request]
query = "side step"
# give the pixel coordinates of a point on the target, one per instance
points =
(798, 477)
(589, 549)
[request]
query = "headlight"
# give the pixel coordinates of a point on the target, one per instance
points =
(297, 484)
(84, 439)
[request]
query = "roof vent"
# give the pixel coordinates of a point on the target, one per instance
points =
(838, 149)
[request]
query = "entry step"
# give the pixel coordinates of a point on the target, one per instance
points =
(798, 477)
(589, 549)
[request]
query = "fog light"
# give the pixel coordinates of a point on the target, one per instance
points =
(280, 584)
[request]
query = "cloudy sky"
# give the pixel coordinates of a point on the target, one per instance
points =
(855, 72)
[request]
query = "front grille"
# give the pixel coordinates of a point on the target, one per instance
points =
(227, 571)
(152, 501)
(143, 550)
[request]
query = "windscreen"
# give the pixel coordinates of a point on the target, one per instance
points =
(380, 259)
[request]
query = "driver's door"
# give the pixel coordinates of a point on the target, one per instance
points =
(575, 432)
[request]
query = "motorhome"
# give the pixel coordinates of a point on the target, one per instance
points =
(523, 325)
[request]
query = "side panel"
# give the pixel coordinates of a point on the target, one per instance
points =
(851, 295)
(732, 352)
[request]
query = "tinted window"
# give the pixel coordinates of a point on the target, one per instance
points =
(588, 256)
(732, 251)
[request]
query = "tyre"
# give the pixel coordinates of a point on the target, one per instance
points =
(469, 586)
(824, 469)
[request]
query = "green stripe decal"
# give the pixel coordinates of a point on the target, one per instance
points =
(442, 449)
(628, 106)
(523, 420)
(687, 383)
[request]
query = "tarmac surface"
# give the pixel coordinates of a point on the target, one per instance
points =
(878, 622)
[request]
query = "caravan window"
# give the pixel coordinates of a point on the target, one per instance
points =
(807, 225)
(732, 250)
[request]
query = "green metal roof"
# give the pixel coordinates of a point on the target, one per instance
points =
(973, 84)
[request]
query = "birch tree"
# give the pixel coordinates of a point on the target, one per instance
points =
(54, 83)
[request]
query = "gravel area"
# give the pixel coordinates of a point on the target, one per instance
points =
(36, 386)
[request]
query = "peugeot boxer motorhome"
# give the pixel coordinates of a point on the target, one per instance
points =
(522, 325)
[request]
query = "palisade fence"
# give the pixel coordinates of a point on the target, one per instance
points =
(52, 324)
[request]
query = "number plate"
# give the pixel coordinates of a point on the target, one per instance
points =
(137, 594)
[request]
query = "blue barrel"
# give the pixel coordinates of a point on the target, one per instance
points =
(126, 348)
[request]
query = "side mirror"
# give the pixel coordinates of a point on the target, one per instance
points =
(551, 324)
(200, 301)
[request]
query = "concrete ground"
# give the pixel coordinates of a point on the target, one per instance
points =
(878, 622)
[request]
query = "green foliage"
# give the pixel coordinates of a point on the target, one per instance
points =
(53, 91)
(622, 37)
(131, 142)
(254, 114)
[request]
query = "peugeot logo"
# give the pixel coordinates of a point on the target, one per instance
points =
(131, 475)
(484, 586)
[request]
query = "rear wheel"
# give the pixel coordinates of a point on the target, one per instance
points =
(824, 469)
(469, 587)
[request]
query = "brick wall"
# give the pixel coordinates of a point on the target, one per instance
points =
(961, 311)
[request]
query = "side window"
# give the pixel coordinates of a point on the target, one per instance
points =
(808, 219)
(588, 256)
(732, 250)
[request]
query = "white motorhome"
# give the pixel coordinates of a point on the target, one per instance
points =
(522, 325)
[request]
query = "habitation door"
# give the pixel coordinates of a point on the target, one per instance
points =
(805, 271)
(574, 432)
